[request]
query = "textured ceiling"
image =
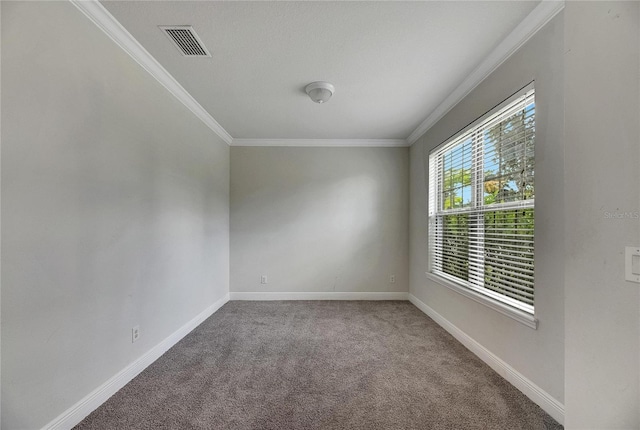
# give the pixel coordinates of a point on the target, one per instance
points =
(392, 63)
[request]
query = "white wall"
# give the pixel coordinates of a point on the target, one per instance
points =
(114, 211)
(537, 354)
(319, 219)
(602, 140)
(0, 224)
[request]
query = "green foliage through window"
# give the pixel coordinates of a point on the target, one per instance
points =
(481, 205)
(508, 242)
(455, 238)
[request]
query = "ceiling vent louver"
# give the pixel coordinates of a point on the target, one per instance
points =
(186, 40)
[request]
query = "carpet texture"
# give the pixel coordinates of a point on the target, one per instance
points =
(319, 365)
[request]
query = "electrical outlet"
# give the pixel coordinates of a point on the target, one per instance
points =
(392, 279)
(263, 279)
(135, 333)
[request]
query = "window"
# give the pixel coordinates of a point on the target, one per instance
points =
(481, 206)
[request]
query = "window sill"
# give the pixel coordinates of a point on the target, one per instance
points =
(516, 314)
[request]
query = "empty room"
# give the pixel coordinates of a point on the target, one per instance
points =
(319, 215)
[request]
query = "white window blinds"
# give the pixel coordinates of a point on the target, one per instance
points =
(481, 204)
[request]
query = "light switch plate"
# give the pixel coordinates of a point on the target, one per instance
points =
(632, 263)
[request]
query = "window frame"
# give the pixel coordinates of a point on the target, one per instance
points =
(500, 303)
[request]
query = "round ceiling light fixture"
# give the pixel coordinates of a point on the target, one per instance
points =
(320, 92)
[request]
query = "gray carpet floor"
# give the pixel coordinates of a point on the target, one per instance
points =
(319, 365)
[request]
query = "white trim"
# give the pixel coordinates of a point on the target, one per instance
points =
(513, 313)
(89, 403)
(392, 143)
(495, 112)
(537, 19)
(540, 397)
(107, 23)
(101, 17)
(329, 295)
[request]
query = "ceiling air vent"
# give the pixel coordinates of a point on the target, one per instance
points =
(186, 40)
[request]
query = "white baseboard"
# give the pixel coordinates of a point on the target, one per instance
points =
(89, 403)
(93, 400)
(329, 295)
(540, 397)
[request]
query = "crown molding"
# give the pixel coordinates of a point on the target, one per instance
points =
(108, 24)
(378, 143)
(101, 17)
(533, 22)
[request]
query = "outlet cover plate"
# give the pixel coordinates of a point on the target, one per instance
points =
(632, 263)
(135, 333)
